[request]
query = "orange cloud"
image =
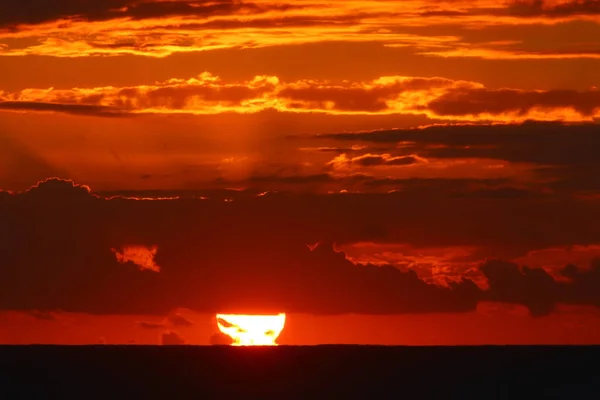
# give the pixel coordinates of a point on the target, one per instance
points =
(437, 265)
(553, 259)
(161, 28)
(437, 98)
(514, 54)
(374, 160)
(141, 256)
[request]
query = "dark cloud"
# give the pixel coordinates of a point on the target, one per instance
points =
(73, 268)
(59, 265)
(174, 320)
(179, 320)
(338, 150)
(524, 9)
(251, 255)
(150, 325)
(226, 324)
(546, 143)
(220, 339)
(280, 21)
(444, 13)
(536, 8)
(565, 153)
(533, 288)
(328, 182)
(13, 13)
(470, 101)
(375, 160)
(539, 291)
(79, 109)
(171, 338)
(38, 11)
(583, 288)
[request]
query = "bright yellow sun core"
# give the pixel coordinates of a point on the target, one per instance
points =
(251, 330)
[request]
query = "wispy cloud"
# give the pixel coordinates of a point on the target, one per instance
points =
(160, 28)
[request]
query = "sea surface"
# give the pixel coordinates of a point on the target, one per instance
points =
(303, 372)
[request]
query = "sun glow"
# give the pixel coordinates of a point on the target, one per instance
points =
(251, 330)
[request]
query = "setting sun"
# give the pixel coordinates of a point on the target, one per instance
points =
(251, 330)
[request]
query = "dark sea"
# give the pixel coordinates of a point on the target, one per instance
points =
(288, 372)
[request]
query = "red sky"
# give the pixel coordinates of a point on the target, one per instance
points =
(162, 161)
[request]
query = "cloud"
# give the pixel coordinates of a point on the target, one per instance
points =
(345, 181)
(554, 259)
(438, 265)
(220, 339)
(150, 325)
(506, 101)
(218, 256)
(538, 290)
(546, 143)
(512, 52)
(141, 256)
(559, 155)
(325, 149)
(179, 320)
(38, 11)
(553, 8)
(171, 338)
(214, 281)
(32, 11)
(533, 288)
(173, 320)
(436, 98)
(374, 160)
(69, 266)
(370, 97)
(160, 28)
(77, 109)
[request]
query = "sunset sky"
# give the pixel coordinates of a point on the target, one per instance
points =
(387, 172)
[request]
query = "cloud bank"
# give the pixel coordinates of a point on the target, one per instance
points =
(435, 97)
(219, 256)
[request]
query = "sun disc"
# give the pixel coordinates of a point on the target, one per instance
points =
(251, 330)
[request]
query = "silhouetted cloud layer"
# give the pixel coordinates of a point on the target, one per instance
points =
(253, 255)
(539, 291)
(171, 338)
(561, 155)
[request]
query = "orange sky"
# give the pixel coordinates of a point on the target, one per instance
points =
(443, 154)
